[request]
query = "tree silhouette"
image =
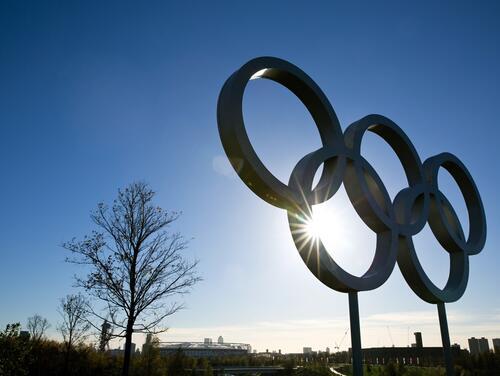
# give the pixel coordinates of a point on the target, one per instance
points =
(14, 351)
(74, 325)
(37, 326)
(135, 263)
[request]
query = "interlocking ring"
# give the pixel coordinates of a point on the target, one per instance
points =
(395, 223)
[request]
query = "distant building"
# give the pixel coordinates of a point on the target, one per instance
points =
(327, 350)
(147, 345)
(24, 334)
(483, 345)
(418, 340)
(307, 350)
(119, 351)
(266, 354)
(417, 354)
(423, 356)
(205, 349)
(220, 341)
(478, 345)
(496, 345)
(473, 346)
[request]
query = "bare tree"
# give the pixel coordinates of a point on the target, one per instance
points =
(135, 263)
(74, 326)
(37, 326)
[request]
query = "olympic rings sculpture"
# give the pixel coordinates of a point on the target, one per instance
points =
(394, 222)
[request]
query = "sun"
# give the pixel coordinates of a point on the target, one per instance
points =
(321, 224)
(314, 227)
(325, 225)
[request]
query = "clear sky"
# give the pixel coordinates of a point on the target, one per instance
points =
(95, 95)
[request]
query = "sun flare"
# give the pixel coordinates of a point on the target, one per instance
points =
(313, 228)
(321, 225)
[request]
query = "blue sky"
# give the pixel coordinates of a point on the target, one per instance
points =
(96, 95)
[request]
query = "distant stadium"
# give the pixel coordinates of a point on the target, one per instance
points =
(205, 349)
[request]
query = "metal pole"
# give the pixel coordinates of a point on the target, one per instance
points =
(445, 338)
(357, 361)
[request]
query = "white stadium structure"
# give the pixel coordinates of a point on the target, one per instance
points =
(205, 349)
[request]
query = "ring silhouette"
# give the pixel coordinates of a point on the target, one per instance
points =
(394, 222)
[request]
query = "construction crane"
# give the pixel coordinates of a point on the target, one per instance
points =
(337, 345)
(390, 335)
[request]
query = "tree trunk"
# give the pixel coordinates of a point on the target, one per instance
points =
(68, 345)
(66, 360)
(128, 347)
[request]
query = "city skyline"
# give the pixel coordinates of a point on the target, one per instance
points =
(95, 97)
(475, 345)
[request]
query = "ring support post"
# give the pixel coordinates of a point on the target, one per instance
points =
(357, 363)
(445, 338)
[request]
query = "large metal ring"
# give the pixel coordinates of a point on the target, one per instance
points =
(413, 271)
(312, 250)
(449, 234)
(237, 144)
(369, 201)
